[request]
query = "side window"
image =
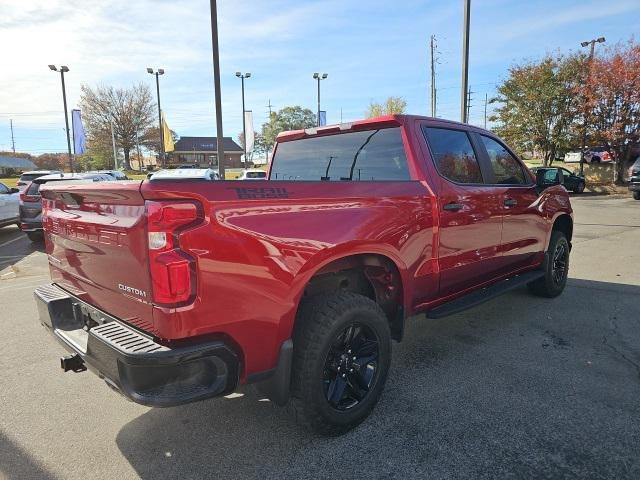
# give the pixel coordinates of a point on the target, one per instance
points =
(506, 169)
(3, 189)
(453, 155)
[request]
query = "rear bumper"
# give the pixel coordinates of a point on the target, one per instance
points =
(132, 363)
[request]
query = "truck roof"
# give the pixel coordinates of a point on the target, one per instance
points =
(384, 121)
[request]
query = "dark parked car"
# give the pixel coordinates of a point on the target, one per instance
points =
(572, 181)
(30, 200)
(634, 179)
(27, 177)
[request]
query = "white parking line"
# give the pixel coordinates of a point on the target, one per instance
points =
(20, 237)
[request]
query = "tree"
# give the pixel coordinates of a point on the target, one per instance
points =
(259, 145)
(150, 139)
(52, 161)
(130, 110)
(612, 92)
(289, 118)
(540, 104)
(391, 106)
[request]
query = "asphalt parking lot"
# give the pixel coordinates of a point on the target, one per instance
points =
(520, 387)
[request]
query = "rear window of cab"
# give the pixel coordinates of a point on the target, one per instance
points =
(370, 155)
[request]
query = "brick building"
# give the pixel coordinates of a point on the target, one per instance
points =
(201, 151)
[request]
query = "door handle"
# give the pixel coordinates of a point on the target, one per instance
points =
(452, 207)
(510, 202)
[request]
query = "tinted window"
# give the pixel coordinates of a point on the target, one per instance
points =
(506, 168)
(453, 155)
(3, 188)
(256, 174)
(368, 155)
(29, 177)
(33, 189)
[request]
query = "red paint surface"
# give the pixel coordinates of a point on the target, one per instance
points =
(254, 257)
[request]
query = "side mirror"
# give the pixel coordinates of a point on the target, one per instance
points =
(15, 190)
(548, 177)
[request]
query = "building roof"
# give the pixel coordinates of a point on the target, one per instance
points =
(14, 162)
(205, 144)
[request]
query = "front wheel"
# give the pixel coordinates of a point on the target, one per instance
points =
(342, 353)
(579, 188)
(636, 195)
(556, 268)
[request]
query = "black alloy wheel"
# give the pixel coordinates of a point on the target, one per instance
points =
(559, 265)
(351, 367)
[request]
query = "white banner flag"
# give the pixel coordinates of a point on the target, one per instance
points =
(248, 119)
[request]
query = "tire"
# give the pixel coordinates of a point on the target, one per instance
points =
(636, 195)
(579, 188)
(595, 160)
(323, 362)
(35, 237)
(556, 268)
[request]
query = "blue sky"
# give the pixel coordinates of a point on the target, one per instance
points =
(370, 50)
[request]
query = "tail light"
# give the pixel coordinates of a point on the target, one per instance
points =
(606, 156)
(172, 270)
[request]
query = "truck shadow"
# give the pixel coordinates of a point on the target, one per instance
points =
(460, 390)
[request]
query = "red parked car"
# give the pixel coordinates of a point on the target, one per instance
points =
(175, 291)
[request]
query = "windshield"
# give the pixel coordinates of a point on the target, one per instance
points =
(359, 156)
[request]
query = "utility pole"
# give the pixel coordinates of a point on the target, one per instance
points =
(469, 92)
(216, 86)
(13, 141)
(269, 107)
(486, 96)
(433, 76)
(464, 116)
(592, 44)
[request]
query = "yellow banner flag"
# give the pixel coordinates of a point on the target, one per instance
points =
(166, 133)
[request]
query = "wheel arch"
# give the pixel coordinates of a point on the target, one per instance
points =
(562, 222)
(379, 275)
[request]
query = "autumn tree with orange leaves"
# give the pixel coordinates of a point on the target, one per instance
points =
(612, 95)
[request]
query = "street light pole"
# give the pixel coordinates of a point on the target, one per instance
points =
(62, 71)
(465, 62)
(592, 44)
(242, 76)
(319, 77)
(157, 74)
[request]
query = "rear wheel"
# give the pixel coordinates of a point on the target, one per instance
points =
(342, 352)
(556, 268)
(35, 236)
(636, 195)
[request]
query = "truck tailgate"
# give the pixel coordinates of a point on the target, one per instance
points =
(96, 241)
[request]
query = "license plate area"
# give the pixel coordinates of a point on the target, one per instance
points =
(87, 317)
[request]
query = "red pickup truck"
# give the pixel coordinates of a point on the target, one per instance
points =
(175, 291)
